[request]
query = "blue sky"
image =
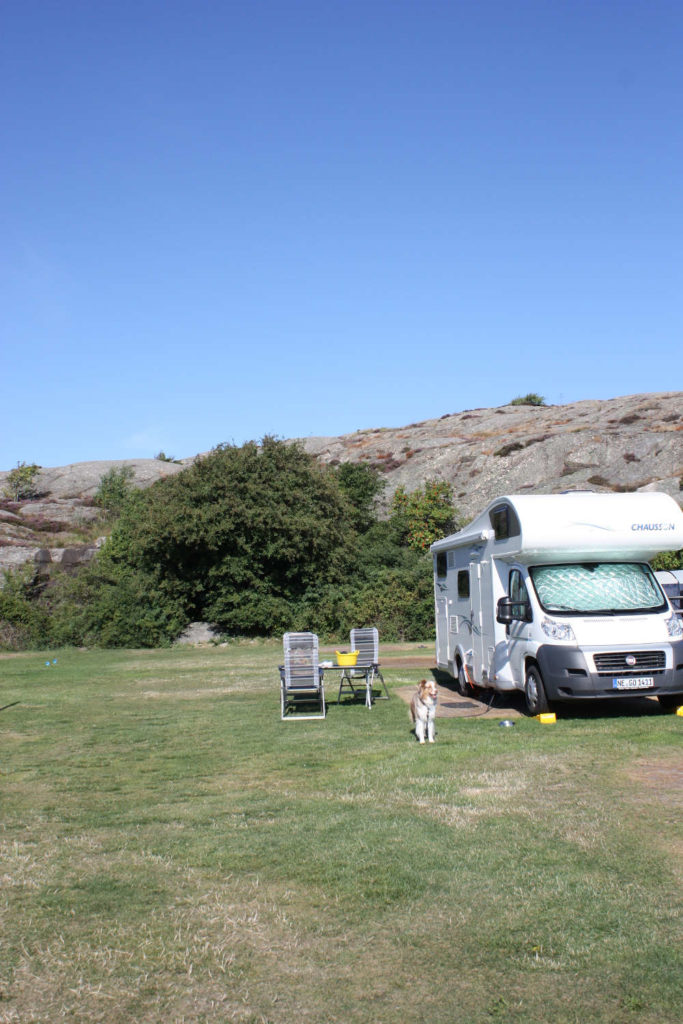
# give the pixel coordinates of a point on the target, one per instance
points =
(226, 219)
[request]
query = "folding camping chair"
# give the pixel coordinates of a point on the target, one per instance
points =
(301, 678)
(366, 642)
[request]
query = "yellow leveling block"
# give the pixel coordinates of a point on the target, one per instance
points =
(679, 712)
(548, 718)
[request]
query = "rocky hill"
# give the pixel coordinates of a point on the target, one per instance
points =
(622, 444)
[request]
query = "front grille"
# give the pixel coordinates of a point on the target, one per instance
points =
(615, 661)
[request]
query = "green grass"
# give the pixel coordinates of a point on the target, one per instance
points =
(171, 852)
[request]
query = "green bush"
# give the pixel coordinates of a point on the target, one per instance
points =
(109, 604)
(115, 490)
(257, 540)
(20, 484)
(668, 560)
(24, 620)
(531, 399)
(424, 515)
(236, 539)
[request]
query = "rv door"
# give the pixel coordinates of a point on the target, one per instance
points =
(442, 630)
(481, 615)
(519, 630)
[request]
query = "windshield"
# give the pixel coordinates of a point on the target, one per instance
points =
(597, 587)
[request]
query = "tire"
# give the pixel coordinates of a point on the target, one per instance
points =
(464, 688)
(534, 692)
(670, 701)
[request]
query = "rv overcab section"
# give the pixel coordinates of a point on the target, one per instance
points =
(553, 595)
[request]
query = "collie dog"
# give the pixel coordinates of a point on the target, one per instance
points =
(423, 709)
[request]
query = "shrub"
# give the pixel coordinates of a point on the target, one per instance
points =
(257, 540)
(362, 486)
(20, 484)
(24, 622)
(668, 560)
(236, 539)
(424, 515)
(531, 399)
(107, 604)
(115, 490)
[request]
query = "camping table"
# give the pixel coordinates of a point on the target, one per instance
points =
(347, 673)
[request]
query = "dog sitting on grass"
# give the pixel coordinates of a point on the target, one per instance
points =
(423, 709)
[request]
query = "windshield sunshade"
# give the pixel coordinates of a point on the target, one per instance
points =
(599, 586)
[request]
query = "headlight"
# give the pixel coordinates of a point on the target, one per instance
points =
(674, 626)
(557, 630)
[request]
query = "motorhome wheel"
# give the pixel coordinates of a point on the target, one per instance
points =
(464, 687)
(534, 691)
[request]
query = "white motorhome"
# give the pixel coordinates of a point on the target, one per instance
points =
(552, 594)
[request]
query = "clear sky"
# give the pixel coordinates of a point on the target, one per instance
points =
(229, 218)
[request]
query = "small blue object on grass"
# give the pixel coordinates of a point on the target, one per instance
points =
(47, 663)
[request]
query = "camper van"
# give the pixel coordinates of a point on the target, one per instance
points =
(552, 594)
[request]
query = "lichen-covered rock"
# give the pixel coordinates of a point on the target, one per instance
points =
(629, 443)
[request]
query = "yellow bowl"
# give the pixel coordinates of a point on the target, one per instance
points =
(548, 718)
(345, 658)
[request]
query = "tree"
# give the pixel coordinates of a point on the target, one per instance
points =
(20, 484)
(425, 514)
(115, 490)
(362, 485)
(237, 538)
(257, 540)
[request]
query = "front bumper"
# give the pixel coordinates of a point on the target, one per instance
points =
(569, 673)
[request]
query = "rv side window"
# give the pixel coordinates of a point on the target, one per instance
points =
(464, 583)
(521, 606)
(441, 565)
(504, 522)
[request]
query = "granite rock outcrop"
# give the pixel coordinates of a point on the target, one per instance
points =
(630, 443)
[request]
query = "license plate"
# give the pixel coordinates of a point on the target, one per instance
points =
(629, 683)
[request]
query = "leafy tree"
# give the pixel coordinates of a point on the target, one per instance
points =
(424, 515)
(237, 538)
(362, 486)
(115, 490)
(20, 484)
(256, 539)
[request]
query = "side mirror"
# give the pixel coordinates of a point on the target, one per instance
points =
(504, 611)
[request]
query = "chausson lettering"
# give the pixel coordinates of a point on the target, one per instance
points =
(652, 526)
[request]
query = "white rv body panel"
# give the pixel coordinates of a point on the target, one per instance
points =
(586, 540)
(641, 629)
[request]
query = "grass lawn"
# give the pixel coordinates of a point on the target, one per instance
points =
(172, 852)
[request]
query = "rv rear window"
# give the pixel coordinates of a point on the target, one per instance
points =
(464, 583)
(441, 565)
(504, 522)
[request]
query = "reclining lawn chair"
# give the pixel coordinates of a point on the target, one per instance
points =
(366, 642)
(301, 678)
